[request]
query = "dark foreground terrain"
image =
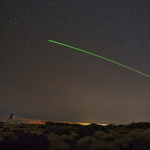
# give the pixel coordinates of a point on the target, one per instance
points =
(134, 136)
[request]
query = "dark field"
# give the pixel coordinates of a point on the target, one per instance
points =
(134, 136)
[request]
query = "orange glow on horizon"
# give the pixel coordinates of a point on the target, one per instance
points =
(61, 122)
(39, 121)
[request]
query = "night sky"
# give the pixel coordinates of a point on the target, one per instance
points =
(43, 80)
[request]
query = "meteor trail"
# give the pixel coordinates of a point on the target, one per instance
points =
(100, 57)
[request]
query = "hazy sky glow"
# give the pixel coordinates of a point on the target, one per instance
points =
(40, 79)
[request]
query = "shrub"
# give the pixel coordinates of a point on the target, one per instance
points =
(57, 130)
(90, 130)
(36, 132)
(42, 126)
(84, 142)
(95, 144)
(14, 137)
(111, 136)
(5, 134)
(122, 131)
(75, 135)
(108, 137)
(111, 126)
(133, 134)
(52, 136)
(113, 141)
(33, 132)
(31, 127)
(22, 126)
(123, 142)
(99, 134)
(1, 138)
(121, 125)
(39, 133)
(103, 145)
(85, 131)
(115, 134)
(10, 137)
(147, 135)
(15, 129)
(10, 132)
(62, 130)
(66, 138)
(93, 126)
(1, 129)
(25, 131)
(56, 143)
(47, 130)
(143, 125)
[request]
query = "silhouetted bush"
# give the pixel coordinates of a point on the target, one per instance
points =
(42, 126)
(84, 143)
(57, 130)
(123, 131)
(47, 130)
(13, 137)
(15, 128)
(111, 126)
(22, 126)
(66, 138)
(61, 130)
(52, 136)
(99, 135)
(75, 135)
(37, 132)
(91, 137)
(1, 129)
(133, 134)
(94, 125)
(8, 137)
(90, 130)
(140, 125)
(103, 145)
(76, 125)
(123, 143)
(55, 143)
(120, 125)
(147, 136)
(109, 137)
(1, 138)
(84, 131)
(50, 124)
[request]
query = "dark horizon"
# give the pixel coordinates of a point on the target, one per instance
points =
(40, 121)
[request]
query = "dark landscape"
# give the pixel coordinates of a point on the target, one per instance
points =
(134, 136)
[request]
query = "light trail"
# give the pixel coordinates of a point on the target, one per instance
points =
(100, 57)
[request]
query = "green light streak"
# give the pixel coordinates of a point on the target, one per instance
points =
(99, 57)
